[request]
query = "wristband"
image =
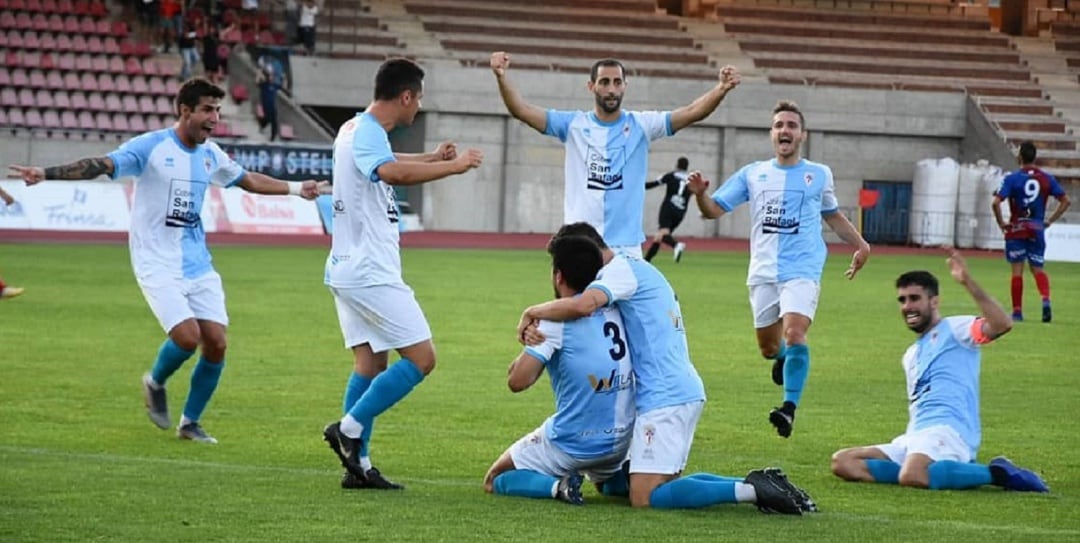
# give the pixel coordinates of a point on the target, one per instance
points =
(294, 188)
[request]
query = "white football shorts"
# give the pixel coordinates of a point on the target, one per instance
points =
(938, 442)
(662, 438)
(628, 250)
(537, 453)
(176, 299)
(386, 316)
(770, 301)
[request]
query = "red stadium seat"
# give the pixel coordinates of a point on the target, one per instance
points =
(12, 58)
(46, 62)
(98, 9)
(132, 66)
(118, 29)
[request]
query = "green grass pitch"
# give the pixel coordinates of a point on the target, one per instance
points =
(79, 461)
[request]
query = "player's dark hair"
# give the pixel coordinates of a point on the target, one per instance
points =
(920, 278)
(683, 163)
(193, 90)
(1027, 152)
(606, 62)
(789, 105)
(583, 229)
(396, 76)
(577, 258)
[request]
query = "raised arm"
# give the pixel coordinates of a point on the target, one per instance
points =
(697, 184)
(705, 104)
(523, 111)
(996, 321)
(847, 232)
(87, 168)
(264, 184)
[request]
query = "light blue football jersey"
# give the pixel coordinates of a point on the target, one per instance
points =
(591, 373)
(171, 181)
(786, 205)
(606, 167)
(942, 371)
(654, 329)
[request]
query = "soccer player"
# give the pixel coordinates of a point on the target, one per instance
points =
(672, 209)
(938, 449)
(669, 394)
(789, 197)
(1027, 191)
(173, 168)
(591, 374)
(607, 149)
(377, 311)
(7, 291)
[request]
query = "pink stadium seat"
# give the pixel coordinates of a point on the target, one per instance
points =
(130, 103)
(83, 63)
(72, 82)
(48, 42)
(71, 24)
(286, 132)
(43, 98)
(105, 82)
(145, 104)
(87, 26)
(78, 43)
(139, 85)
(34, 119)
(222, 130)
(64, 6)
(86, 121)
(67, 119)
(19, 78)
(156, 86)
(8, 97)
(4, 118)
(16, 117)
(103, 27)
(63, 42)
(78, 101)
(37, 79)
(61, 100)
(103, 122)
(54, 80)
(15, 39)
(66, 62)
(23, 21)
(49, 6)
(132, 66)
(33, 5)
(112, 46)
(123, 84)
(120, 122)
(7, 19)
(100, 63)
(40, 22)
(163, 106)
(31, 41)
(98, 9)
(94, 45)
(116, 64)
(26, 97)
(150, 67)
(137, 124)
(5, 78)
(95, 101)
(113, 102)
(56, 23)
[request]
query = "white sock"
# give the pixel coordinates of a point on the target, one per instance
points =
(351, 427)
(184, 421)
(365, 462)
(555, 490)
(745, 493)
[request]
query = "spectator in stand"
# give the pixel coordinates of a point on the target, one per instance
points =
(148, 14)
(172, 18)
(292, 19)
(189, 54)
(270, 81)
(308, 10)
(214, 60)
(250, 16)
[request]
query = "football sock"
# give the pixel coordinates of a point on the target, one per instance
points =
(354, 390)
(692, 493)
(617, 485)
(169, 359)
(796, 370)
(526, 483)
(949, 474)
(883, 471)
(713, 477)
(204, 380)
(387, 389)
(670, 240)
(1017, 293)
(653, 249)
(1042, 281)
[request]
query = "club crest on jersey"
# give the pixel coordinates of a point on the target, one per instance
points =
(809, 179)
(650, 433)
(626, 130)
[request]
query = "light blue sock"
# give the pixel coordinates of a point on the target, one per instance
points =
(358, 385)
(692, 493)
(713, 477)
(883, 471)
(618, 485)
(525, 483)
(387, 389)
(169, 359)
(796, 369)
(952, 475)
(204, 380)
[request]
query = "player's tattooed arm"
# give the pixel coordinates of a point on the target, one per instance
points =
(87, 168)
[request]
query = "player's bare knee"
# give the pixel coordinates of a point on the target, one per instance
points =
(186, 335)
(769, 351)
(426, 364)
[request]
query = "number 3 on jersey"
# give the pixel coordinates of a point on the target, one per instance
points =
(618, 349)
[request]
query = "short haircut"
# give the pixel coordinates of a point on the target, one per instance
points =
(1027, 152)
(683, 163)
(577, 258)
(789, 105)
(920, 278)
(606, 62)
(579, 229)
(193, 90)
(396, 76)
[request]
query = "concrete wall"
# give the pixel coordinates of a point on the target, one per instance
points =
(862, 134)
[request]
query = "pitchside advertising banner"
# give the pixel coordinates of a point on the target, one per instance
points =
(1063, 243)
(288, 162)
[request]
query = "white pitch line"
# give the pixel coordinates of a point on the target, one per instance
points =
(119, 458)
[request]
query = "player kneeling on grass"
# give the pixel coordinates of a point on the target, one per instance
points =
(592, 377)
(942, 369)
(668, 393)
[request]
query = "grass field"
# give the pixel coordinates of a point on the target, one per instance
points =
(79, 461)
